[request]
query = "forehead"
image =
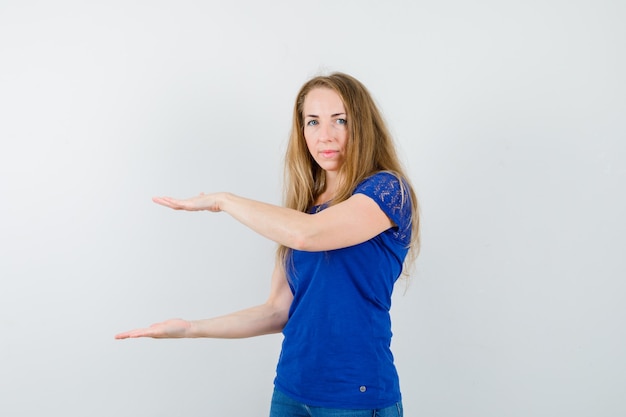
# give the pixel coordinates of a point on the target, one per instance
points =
(321, 100)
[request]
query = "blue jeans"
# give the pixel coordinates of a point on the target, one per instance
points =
(284, 406)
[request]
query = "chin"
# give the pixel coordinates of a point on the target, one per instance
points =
(333, 168)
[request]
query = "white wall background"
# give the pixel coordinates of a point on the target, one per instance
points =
(511, 120)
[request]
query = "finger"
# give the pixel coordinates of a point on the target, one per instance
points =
(168, 202)
(124, 335)
(134, 333)
(161, 200)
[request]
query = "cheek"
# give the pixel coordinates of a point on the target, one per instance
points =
(308, 143)
(344, 140)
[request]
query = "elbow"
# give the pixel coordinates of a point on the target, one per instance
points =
(280, 326)
(278, 307)
(303, 233)
(303, 240)
(302, 245)
(279, 321)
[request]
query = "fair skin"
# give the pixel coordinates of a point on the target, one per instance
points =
(326, 134)
(345, 224)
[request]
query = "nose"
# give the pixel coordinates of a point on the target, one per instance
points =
(325, 132)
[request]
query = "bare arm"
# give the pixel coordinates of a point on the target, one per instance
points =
(266, 318)
(345, 224)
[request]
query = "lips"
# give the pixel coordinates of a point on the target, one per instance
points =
(328, 153)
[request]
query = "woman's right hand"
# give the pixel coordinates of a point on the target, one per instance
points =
(209, 202)
(169, 329)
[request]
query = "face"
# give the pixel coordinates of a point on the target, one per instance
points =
(325, 128)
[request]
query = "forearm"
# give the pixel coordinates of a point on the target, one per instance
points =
(282, 225)
(254, 321)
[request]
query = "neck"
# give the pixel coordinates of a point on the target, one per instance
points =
(332, 181)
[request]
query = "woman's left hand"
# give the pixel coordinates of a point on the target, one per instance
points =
(202, 201)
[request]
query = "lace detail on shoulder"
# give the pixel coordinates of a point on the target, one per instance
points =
(393, 199)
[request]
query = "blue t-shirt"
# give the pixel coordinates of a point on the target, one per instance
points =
(336, 348)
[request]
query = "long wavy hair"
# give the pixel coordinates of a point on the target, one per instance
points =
(369, 149)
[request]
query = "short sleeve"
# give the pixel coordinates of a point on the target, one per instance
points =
(393, 198)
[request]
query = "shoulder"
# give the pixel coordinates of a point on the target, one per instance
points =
(383, 185)
(391, 193)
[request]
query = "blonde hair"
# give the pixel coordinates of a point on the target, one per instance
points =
(369, 149)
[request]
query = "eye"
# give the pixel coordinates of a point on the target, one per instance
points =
(312, 122)
(342, 121)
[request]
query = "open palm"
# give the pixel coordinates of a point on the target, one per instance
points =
(174, 328)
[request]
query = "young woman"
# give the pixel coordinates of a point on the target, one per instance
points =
(348, 229)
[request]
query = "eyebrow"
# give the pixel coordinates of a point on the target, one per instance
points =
(332, 115)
